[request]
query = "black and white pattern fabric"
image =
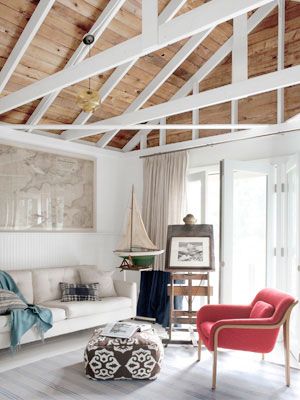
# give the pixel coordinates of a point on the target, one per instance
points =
(10, 301)
(79, 291)
(138, 357)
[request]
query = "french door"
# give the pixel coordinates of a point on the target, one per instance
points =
(260, 231)
(246, 229)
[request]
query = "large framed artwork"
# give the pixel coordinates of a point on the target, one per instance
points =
(45, 191)
(190, 248)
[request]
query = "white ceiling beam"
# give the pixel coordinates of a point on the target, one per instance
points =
(168, 12)
(280, 58)
(40, 13)
(208, 66)
(239, 58)
(195, 114)
(189, 23)
(163, 132)
(220, 139)
(150, 23)
(81, 52)
(163, 126)
(235, 91)
(159, 79)
(198, 20)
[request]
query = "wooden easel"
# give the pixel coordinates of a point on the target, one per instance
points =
(190, 291)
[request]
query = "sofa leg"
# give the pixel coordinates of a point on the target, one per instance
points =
(199, 349)
(286, 341)
(262, 356)
(214, 372)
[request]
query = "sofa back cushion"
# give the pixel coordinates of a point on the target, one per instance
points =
(46, 282)
(261, 309)
(23, 280)
(104, 278)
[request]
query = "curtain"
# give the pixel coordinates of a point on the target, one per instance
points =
(164, 197)
(164, 202)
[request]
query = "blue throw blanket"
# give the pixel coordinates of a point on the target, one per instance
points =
(23, 320)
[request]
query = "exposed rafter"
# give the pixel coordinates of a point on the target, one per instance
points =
(198, 20)
(169, 11)
(235, 91)
(81, 52)
(31, 28)
(207, 67)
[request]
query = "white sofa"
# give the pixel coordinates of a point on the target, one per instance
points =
(41, 287)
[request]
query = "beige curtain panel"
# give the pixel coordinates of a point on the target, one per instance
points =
(164, 197)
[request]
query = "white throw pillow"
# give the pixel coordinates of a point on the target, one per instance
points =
(92, 275)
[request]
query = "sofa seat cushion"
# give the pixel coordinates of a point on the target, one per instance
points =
(76, 309)
(58, 315)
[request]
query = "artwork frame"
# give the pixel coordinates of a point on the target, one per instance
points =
(72, 175)
(190, 248)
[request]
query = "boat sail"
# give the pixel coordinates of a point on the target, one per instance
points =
(135, 247)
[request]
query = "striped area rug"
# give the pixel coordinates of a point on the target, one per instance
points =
(240, 377)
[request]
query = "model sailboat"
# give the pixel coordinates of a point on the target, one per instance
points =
(136, 248)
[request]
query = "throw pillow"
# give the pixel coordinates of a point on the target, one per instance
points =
(261, 309)
(104, 278)
(10, 301)
(79, 292)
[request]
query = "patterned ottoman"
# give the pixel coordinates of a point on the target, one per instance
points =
(138, 357)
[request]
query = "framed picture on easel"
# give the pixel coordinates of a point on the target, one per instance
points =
(190, 248)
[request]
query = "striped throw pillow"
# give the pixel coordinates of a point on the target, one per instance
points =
(79, 291)
(10, 301)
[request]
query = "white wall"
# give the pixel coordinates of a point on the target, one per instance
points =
(115, 175)
(259, 148)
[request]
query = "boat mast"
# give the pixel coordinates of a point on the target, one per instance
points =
(131, 218)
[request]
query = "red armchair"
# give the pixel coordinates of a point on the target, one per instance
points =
(251, 327)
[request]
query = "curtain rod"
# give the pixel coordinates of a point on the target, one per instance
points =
(223, 142)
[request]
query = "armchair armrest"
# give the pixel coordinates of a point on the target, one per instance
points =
(126, 289)
(217, 312)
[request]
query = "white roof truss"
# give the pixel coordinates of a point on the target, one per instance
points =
(235, 91)
(208, 66)
(161, 77)
(191, 23)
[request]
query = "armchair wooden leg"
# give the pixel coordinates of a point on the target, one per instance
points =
(263, 356)
(214, 372)
(199, 348)
(286, 340)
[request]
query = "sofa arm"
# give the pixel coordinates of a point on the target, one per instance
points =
(126, 289)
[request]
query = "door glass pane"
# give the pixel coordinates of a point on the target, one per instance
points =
(249, 235)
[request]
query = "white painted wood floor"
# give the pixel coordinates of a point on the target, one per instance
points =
(54, 370)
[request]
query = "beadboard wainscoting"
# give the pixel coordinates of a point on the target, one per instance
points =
(21, 250)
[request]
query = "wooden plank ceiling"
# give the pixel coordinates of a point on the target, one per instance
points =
(69, 20)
